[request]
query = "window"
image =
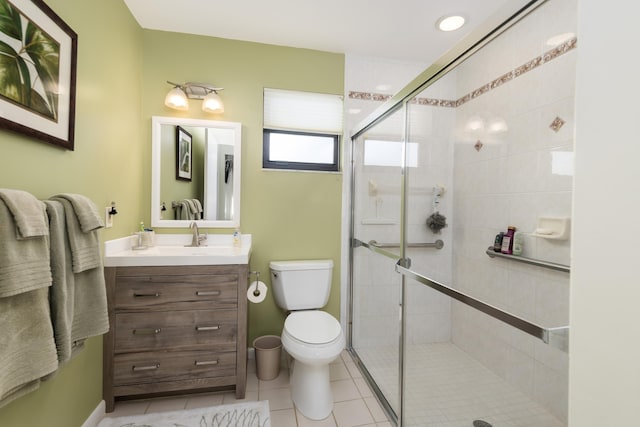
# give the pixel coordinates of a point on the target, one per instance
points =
(301, 130)
(389, 153)
(301, 151)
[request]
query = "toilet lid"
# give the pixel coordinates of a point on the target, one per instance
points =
(313, 327)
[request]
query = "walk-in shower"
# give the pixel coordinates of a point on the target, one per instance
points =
(447, 331)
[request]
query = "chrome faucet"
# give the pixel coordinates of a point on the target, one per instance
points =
(197, 238)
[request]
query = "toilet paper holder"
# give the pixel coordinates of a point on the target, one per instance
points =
(256, 291)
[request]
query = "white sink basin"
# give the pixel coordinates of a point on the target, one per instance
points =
(170, 249)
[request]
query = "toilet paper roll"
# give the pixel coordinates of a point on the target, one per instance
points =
(259, 295)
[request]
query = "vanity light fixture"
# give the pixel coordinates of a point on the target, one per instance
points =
(178, 97)
(450, 22)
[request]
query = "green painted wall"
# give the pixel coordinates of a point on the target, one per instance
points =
(105, 166)
(122, 71)
(291, 215)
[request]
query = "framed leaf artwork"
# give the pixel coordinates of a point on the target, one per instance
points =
(38, 54)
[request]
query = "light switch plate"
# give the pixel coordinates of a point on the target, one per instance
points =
(108, 219)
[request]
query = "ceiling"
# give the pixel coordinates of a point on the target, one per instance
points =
(402, 30)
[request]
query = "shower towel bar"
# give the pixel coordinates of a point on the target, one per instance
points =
(438, 244)
(555, 337)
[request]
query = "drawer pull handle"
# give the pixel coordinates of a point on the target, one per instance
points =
(207, 362)
(207, 328)
(207, 293)
(146, 368)
(141, 295)
(149, 331)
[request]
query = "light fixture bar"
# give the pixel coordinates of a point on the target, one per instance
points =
(177, 97)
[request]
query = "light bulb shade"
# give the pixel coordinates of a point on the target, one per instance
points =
(212, 103)
(176, 99)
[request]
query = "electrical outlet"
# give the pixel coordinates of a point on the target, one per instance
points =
(108, 219)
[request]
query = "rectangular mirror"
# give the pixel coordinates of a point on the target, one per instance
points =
(195, 172)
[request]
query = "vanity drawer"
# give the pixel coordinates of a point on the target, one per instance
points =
(151, 367)
(176, 330)
(179, 292)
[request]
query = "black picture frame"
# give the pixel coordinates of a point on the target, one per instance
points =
(38, 64)
(184, 154)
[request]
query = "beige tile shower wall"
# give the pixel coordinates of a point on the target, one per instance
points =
(512, 177)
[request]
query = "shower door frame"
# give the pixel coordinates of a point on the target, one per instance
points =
(477, 39)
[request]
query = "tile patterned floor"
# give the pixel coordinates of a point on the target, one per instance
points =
(354, 404)
(448, 388)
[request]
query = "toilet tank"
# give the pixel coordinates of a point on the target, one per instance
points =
(301, 285)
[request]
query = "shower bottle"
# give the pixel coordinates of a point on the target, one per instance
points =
(507, 240)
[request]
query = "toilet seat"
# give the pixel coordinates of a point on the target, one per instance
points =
(312, 327)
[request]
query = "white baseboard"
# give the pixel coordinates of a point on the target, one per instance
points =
(96, 416)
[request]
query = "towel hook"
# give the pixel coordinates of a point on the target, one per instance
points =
(112, 210)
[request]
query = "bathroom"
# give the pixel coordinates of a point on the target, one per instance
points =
(121, 75)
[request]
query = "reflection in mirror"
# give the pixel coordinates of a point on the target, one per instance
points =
(207, 191)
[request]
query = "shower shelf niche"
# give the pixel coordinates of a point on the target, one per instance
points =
(546, 264)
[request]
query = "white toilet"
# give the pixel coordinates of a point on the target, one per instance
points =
(312, 337)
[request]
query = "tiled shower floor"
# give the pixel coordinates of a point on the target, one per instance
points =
(448, 388)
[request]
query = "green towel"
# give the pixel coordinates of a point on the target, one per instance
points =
(88, 215)
(27, 211)
(27, 349)
(78, 300)
(24, 263)
(85, 246)
(62, 289)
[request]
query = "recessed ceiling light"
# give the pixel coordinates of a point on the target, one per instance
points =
(450, 22)
(383, 87)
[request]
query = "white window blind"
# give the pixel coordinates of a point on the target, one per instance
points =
(302, 111)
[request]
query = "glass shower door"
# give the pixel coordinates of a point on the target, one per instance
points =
(485, 334)
(376, 221)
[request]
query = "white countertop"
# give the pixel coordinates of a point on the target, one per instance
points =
(170, 249)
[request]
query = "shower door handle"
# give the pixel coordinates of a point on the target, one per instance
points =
(555, 337)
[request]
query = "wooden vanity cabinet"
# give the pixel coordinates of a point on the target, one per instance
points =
(175, 329)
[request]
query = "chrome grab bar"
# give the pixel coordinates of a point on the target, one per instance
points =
(372, 248)
(532, 261)
(556, 337)
(438, 244)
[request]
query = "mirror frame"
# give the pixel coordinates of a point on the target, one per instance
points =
(156, 129)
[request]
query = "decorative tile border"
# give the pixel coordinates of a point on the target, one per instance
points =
(507, 77)
(556, 124)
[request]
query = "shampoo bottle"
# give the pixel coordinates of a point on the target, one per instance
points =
(507, 240)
